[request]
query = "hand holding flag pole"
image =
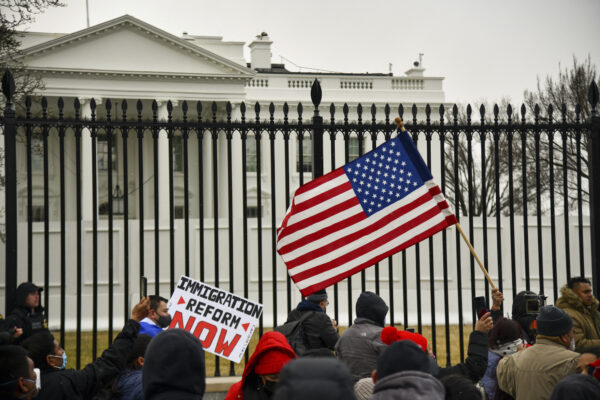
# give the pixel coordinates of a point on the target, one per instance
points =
(401, 128)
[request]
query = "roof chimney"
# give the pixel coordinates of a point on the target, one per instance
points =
(260, 52)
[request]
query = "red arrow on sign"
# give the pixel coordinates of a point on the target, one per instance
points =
(245, 326)
(181, 301)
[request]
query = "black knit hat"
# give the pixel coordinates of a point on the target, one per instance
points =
(404, 356)
(553, 321)
(317, 297)
(371, 306)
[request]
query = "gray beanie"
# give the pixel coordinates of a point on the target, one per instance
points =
(552, 321)
(317, 297)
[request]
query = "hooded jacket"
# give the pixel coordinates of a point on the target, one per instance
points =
(320, 334)
(174, 367)
(476, 362)
(360, 345)
(414, 385)
(32, 321)
(130, 385)
(269, 341)
(586, 321)
(315, 379)
(84, 383)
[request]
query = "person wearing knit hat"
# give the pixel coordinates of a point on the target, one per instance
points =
(360, 345)
(404, 370)
(533, 372)
(320, 331)
(261, 373)
(474, 365)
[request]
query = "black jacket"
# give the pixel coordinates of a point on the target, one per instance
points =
(84, 383)
(476, 362)
(320, 334)
(30, 320)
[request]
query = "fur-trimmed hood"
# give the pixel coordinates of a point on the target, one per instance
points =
(570, 300)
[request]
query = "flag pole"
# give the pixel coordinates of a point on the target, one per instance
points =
(487, 276)
(401, 128)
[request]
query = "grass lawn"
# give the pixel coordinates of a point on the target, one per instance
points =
(224, 365)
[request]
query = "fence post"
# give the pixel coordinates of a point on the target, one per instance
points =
(594, 182)
(317, 134)
(10, 190)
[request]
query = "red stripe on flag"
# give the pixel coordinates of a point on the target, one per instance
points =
(380, 241)
(328, 282)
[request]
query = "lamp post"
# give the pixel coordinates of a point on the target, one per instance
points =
(117, 201)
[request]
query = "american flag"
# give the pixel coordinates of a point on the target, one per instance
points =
(359, 214)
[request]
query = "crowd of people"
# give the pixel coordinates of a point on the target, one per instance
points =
(539, 352)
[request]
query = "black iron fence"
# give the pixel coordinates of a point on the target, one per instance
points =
(526, 184)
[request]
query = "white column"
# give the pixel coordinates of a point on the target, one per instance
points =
(163, 165)
(86, 161)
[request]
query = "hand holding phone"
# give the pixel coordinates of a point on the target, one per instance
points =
(480, 306)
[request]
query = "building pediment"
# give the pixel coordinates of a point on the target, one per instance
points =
(128, 46)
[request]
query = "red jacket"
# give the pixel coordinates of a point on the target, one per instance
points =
(269, 341)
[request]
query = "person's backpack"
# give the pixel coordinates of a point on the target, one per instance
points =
(295, 335)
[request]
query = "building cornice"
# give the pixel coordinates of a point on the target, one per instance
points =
(139, 74)
(126, 20)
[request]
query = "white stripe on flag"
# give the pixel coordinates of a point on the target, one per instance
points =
(322, 206)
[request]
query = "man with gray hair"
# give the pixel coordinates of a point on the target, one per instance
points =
(320, 330)
(532, 373)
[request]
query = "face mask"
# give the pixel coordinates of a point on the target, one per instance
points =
(572, 344)
(64, 360)
(269, 386)
(164, 321)
(38, 379)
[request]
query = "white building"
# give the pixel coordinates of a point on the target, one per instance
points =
(128, 59)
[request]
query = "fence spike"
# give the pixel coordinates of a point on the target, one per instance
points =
(427, 110)
(563, 112)
(299, 109)
(469, 111)
(523, 111)
(271, 109)
(482, 112)
(577, 112)
(169, 107)
(345, 110)
(154, 106)
(550, 112)
(8, 85)
(76, 103)
(401, 111)
(124, 106)
(373, 110)
(593, 95)
(316, 94)
(386, 111)
(442, 111)
(139, 106)
(286, 109)
(44, 104)
(332, 112)
(184, 107)
(509, 111)
(414, 111)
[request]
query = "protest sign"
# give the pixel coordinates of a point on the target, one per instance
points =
(222, 321)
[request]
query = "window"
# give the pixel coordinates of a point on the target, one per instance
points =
(253, 212)
(179, 212)
(177, 154)
(353, 149)
(37, 153)
(306, 165)
(102, 153)
(37, 213)
(251, 155)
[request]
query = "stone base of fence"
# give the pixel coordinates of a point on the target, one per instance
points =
(218, 386)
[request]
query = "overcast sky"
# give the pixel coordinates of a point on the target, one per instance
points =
(484, 49)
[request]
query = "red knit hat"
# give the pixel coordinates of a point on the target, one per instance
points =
(271, 362)
(390, 335)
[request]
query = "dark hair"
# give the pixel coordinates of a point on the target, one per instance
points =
(504, 331)
(13, 365)
(38, 346)
(138, 350)
(459, 387)
(155, 301)
(577, 280)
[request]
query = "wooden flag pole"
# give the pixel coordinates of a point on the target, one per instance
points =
(487, 276)
(398, 121)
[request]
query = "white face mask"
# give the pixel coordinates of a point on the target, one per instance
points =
(38, 379)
